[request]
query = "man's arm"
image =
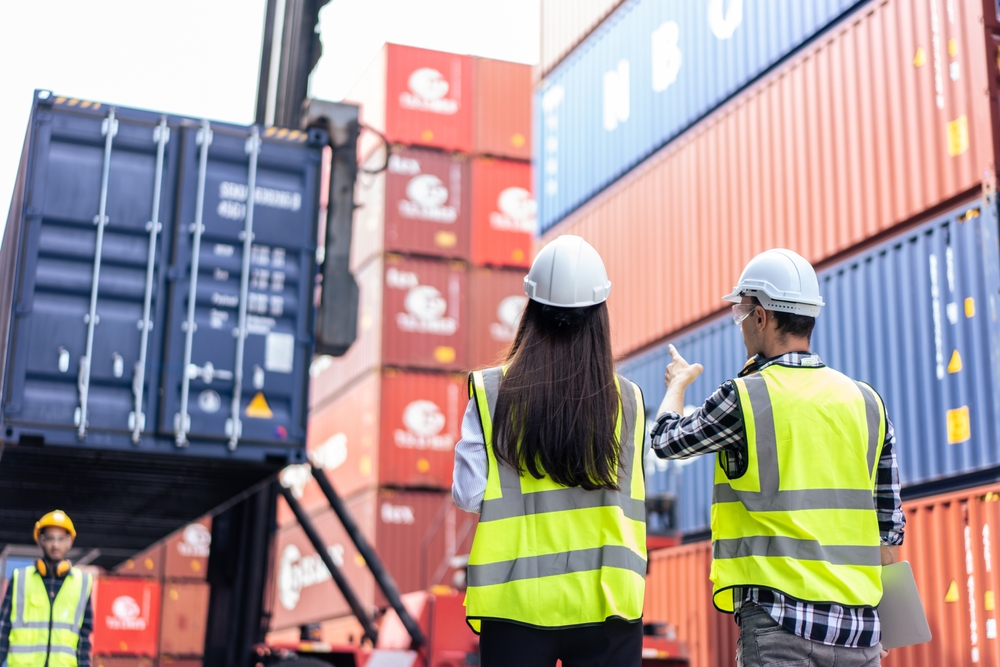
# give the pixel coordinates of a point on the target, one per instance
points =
(5, 621)
(888, 504)
(83, 646)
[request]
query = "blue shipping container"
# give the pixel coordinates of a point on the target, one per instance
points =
(647, 74)
(144, 288)
(916, 317)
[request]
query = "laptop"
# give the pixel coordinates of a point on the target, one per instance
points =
(901, 612)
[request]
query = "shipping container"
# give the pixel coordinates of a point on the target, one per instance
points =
(184, 619)
(420, 204)
(648, 73)
(416, 97)
(390, 429)
(186, 552)
(496, 301)
(411, 315)
(148, 564)
(820, 156)
(122, 661)
(171, 661)
(915, 316)
(135, 310)
(126, 616)
(564, 24)
(679, 592)
(504, 213)
(502, 111)
(417, 534)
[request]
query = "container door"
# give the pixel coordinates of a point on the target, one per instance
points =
(240, 330)
(88, 278)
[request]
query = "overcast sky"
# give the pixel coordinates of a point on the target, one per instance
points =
(201, 57)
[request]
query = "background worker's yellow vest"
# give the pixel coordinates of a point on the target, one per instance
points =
(554, 556)
(802, 519)
(29, 615)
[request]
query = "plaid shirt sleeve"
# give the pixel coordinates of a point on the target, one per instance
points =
(5, 622)
(715, 426)
(888, 505)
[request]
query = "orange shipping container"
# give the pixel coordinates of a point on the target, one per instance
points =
(187, 550)
(171, 661)
(185, 617)
(502, 113)
(856, 135)
(147, 564)
(120, 661)
(495, 305)
(504, 214)
(126, 616)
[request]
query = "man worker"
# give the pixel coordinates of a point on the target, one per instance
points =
(806, 505)
(46, 616)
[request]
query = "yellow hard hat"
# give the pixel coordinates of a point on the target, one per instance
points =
(55, 518)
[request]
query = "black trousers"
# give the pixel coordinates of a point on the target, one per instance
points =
(611, 644)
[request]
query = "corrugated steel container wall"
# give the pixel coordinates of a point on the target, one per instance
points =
(184, 619)
(818, 157)
(423, 314)
(679, 592)
(502, 112)
(148, 564)
(417, 97)
(496, 301)
(126, 616)
(949, 544)
(564, 24)
(503, 213)
(916, 317)
(648, 73)
(171, 661)
(118, 661)
(186, 552)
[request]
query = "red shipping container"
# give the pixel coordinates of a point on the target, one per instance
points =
(122, 661)
(148, 564)
(126, 616)
(411, 315)
(850, 139)
(419, 205)
(502, 112)
(496, 301)
(185, 618)
(504, 214)
(416, 97)
(171, 661)
(186, 551)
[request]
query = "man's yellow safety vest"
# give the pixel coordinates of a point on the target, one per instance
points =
(802, 520)
(554, 556)
(42, 628)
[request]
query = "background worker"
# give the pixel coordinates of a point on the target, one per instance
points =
(551, 458)
(806, 504)
(46, 617)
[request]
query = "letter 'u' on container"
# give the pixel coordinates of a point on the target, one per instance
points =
(846, 140)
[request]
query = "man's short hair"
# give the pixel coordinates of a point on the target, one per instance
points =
(791, 324)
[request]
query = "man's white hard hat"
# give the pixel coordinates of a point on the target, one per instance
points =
(782, 280)
(568, 273)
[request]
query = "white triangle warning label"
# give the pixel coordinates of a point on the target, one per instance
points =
(258, 408)
(952, 594)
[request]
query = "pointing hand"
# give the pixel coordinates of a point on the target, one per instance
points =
(680, 371)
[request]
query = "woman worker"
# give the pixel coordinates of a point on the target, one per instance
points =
(551, 457)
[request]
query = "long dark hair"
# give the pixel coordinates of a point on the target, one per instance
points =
(557, 406)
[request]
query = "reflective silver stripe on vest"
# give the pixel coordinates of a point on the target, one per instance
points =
(787, 501)
(81, 608)
(44, 625)
(514, 503)
(873, 415)
(20, 582)
(763, 545)
(767, 440)
(42, 648)
(534, 567)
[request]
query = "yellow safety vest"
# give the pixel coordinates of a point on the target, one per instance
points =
(553, 556)
(802, 519)
(41, 628)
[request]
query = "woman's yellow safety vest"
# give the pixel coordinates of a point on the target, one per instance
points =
(802, 519)
(31, 623)
(554, 556)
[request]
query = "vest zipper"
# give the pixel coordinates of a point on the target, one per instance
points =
(52, 604)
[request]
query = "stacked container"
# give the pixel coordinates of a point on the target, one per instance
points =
(681, 139)
(443, 234)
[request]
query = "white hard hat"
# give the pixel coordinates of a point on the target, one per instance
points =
(781, 280)
(568, 273)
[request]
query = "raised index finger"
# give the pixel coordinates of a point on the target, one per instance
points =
(674, 354)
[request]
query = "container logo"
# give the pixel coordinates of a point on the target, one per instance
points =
(197, 542)
(331, 454)
(424, 422)
(296, 573)
(425, 313)
(426, 197)
(427, 92)
(518, 212)
(397, 514)
(295, 478)
(724, 23)
(667, 55)
(126, 615)
(508, 318)
(617, 108)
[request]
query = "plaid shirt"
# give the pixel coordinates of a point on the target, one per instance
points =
(53, 584)
(718, 427)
